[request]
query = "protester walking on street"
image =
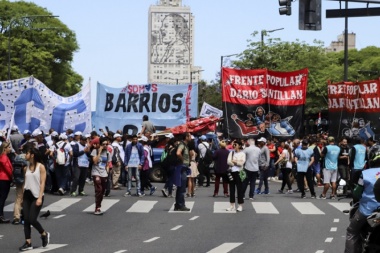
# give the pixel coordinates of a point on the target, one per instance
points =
(100, 158)
(6, 171)
(181, 171)
(331, 154)
(286, 168)
(252, 154)
(304, 157)
(264, 161)
(220, 159)
(236, 160)
(33, 199)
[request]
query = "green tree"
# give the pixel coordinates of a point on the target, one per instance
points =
(40, 45)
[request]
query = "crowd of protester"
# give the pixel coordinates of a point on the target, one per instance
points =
(114, 160)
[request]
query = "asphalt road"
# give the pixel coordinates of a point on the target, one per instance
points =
(269, 223)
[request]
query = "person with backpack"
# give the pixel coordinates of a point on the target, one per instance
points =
(144, 174)
(117, 160)
(133, 162)
(205, 159)
(63, 152)
(18, 164)
(181, 171)
(80, 164)
(168, 165)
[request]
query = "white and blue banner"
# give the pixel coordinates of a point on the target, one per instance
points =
(208, 110)
(34, 105)
(165, 105)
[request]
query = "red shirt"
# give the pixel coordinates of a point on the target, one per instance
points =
(272, 154)
(6, 169)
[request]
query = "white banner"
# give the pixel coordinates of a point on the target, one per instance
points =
(36, 106)
(208, 110)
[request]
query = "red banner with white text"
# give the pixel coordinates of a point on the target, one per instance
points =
(263, 102)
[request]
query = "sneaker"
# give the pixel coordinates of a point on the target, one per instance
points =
(61, 191)
(16, 221)
(170, 196)
(215, 195)
(258, 191)
(231, 208)
(98, 212)
(187, 195)
(165, 193)
(298, 190)
(289, 192)
(127, 194)
(226, 195)
(193, 195)
(307, 190)
(73, 194)
(140, 194)
(152, 190)
(303, 196)
(45, 239)
(281, 191)
(332, 197)
(82, 194)
(3, 220)
(251, 198)
(26, 246)
(239, 209)
(182, 209)
(313, 196)
(266, 192)
(321, 197)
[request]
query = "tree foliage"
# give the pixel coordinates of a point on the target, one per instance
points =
(323, 67)
(37, 44)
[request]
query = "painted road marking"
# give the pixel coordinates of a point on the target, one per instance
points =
(106, 204)
(264, 207)
(60, 205)
(225, 247)
(142, 206)
(307, 208)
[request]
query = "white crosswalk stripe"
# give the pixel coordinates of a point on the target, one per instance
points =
(146, 206)
(106, 204)
(142, 206)
(225, 247)
(265, 207)
(307, 208)
(60, 205)
(47, 248)
(340, 206)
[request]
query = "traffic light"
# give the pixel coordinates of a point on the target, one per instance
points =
(287, 8)
(310, 15)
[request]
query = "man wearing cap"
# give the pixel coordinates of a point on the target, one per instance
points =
(79, 164)
(202, 166)
(264, 160)
(26, 134)
(62, 171)
(15, 138)
(304, 158)
(118, 154)
(133, 162)
(331, 154)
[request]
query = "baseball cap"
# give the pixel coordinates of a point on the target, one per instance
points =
(95, 141)
(203, 137)
(88, 135)
(15, 128)
(71, 135)
(63, 136)
(262, 139)
(78, 133)
(36, 132)
(54, 133)
(117, 135)
(143, 138)
(169, 135)
(26, 131)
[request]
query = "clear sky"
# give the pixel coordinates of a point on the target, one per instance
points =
(113, 34)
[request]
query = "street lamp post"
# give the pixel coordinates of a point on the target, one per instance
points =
(221, 65)
(191, 74)
(265, 32)
(9, 35)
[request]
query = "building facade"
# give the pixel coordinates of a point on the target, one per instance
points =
(171, 44)
(338, 45)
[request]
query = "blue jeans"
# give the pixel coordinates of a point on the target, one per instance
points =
(134, 171)
(61, 173)
(264, 173)
(251, 181)
(169, 179)
(272, 168)
(181, 190)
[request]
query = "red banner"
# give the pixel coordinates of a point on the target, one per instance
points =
(261, 86)
(262, 102)
(354, 97)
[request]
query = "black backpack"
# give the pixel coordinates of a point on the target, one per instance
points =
(19, 163)
(171, 157)
(116, 154)
(207, 159)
